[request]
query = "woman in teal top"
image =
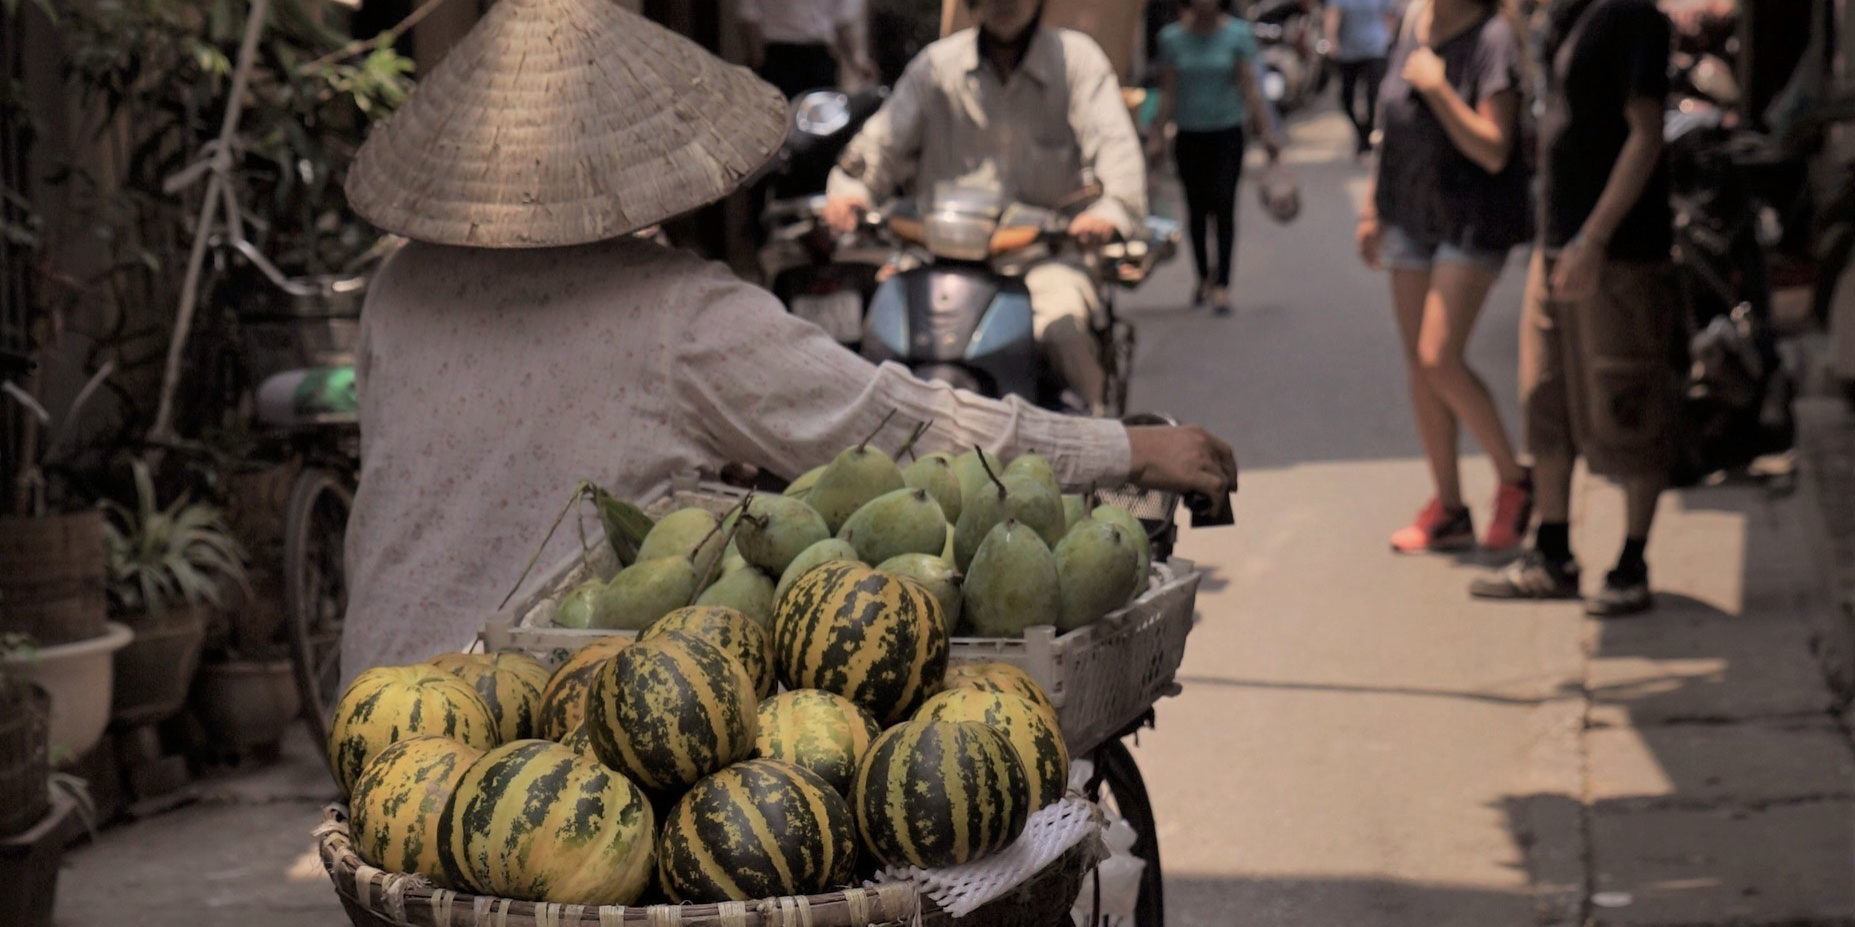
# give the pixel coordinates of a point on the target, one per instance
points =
(1208, 88)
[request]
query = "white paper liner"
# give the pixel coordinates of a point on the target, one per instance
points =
(961, 890)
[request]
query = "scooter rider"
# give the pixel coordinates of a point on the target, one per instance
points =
(1017, 106)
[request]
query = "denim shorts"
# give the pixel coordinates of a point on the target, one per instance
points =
(1399, 251)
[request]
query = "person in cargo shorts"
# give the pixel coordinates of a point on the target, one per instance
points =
(1600, 318)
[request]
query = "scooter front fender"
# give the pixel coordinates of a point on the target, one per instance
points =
(966, 315)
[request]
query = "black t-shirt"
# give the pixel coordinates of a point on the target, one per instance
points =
(1427, 187)
(1599, 55)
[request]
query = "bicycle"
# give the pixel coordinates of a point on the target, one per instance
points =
(1116, 783)
(293, 368)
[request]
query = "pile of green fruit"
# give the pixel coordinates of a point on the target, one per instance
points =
(998, 544)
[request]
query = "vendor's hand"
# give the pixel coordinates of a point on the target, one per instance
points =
(1367, 235)
(1272, 144)
(1574, 277)
(1183, 458)
(842, 213)
(1090, 229)
(1423, 70)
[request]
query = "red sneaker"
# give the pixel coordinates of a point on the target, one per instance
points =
(1436, 528)
(1513, 510)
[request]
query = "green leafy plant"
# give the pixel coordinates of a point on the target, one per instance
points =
(98, 242)
(75, 790)
(163, 557)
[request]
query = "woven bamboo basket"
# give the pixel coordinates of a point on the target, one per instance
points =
(23, 757)
(376, 898)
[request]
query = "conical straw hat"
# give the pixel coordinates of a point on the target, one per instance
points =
(559, 122)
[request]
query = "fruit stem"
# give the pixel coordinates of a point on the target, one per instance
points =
(916, 435)
(714, 564)
(865, 443)
(988, 471)
(580, 491)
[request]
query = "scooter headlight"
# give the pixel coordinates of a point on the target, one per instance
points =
(822, 113)
(960, 236)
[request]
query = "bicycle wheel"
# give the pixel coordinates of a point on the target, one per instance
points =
(1119, 788)
(315, 590)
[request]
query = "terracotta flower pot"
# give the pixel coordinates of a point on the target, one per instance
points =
(247, 703)
(155, 672)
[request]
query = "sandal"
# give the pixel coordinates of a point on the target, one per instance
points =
(1220, 301)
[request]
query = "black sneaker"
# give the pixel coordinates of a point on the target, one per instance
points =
(1623, 594)
(1529, 576)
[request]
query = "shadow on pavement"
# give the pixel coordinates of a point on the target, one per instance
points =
(1291, 901)
(1718, 786)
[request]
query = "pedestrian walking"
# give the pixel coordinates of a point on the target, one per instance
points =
(1600, 319)
(799, 45)
(1208, 90)
(1359, 35)
(1449, 201)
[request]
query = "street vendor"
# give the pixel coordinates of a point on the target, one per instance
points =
(524, 340)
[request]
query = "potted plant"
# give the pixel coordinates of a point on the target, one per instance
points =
(37, 806)
(167, 568)
(25, 712)
(52, 572)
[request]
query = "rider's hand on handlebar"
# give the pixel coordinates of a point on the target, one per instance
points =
(1183, 458)
(842, 213)
(1092, 229)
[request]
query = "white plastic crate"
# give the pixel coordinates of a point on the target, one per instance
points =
(1101, 677)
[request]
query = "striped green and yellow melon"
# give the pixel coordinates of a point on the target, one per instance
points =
(563, 702)
(579, 742)
(510, 684)
(758, 829)
(732, 631)
(387, 704)
(535, 821)
(820, 731)
(1023, 722)
(400, 799)
(1000, 677)
(670, 710)
(876, 639)
(939, 793)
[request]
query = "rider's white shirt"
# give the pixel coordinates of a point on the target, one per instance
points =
(950, 118)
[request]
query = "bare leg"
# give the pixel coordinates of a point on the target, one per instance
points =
(1436, 425)
(1640, 494)
(1457, 292)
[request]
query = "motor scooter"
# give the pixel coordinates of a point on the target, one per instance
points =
(1294, 70)
(956, 309)
(1737, 400)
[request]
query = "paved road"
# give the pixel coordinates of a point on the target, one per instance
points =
(1360, 744)
(1357, 744)
(1355, 739)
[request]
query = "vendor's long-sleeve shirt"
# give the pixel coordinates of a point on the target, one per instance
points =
(491, 382)
(950, 118)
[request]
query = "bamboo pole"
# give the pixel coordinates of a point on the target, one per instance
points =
(216, 194)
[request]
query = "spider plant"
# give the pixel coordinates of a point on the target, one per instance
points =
(159, 558)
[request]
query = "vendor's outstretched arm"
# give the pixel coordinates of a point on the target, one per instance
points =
(773, 390)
